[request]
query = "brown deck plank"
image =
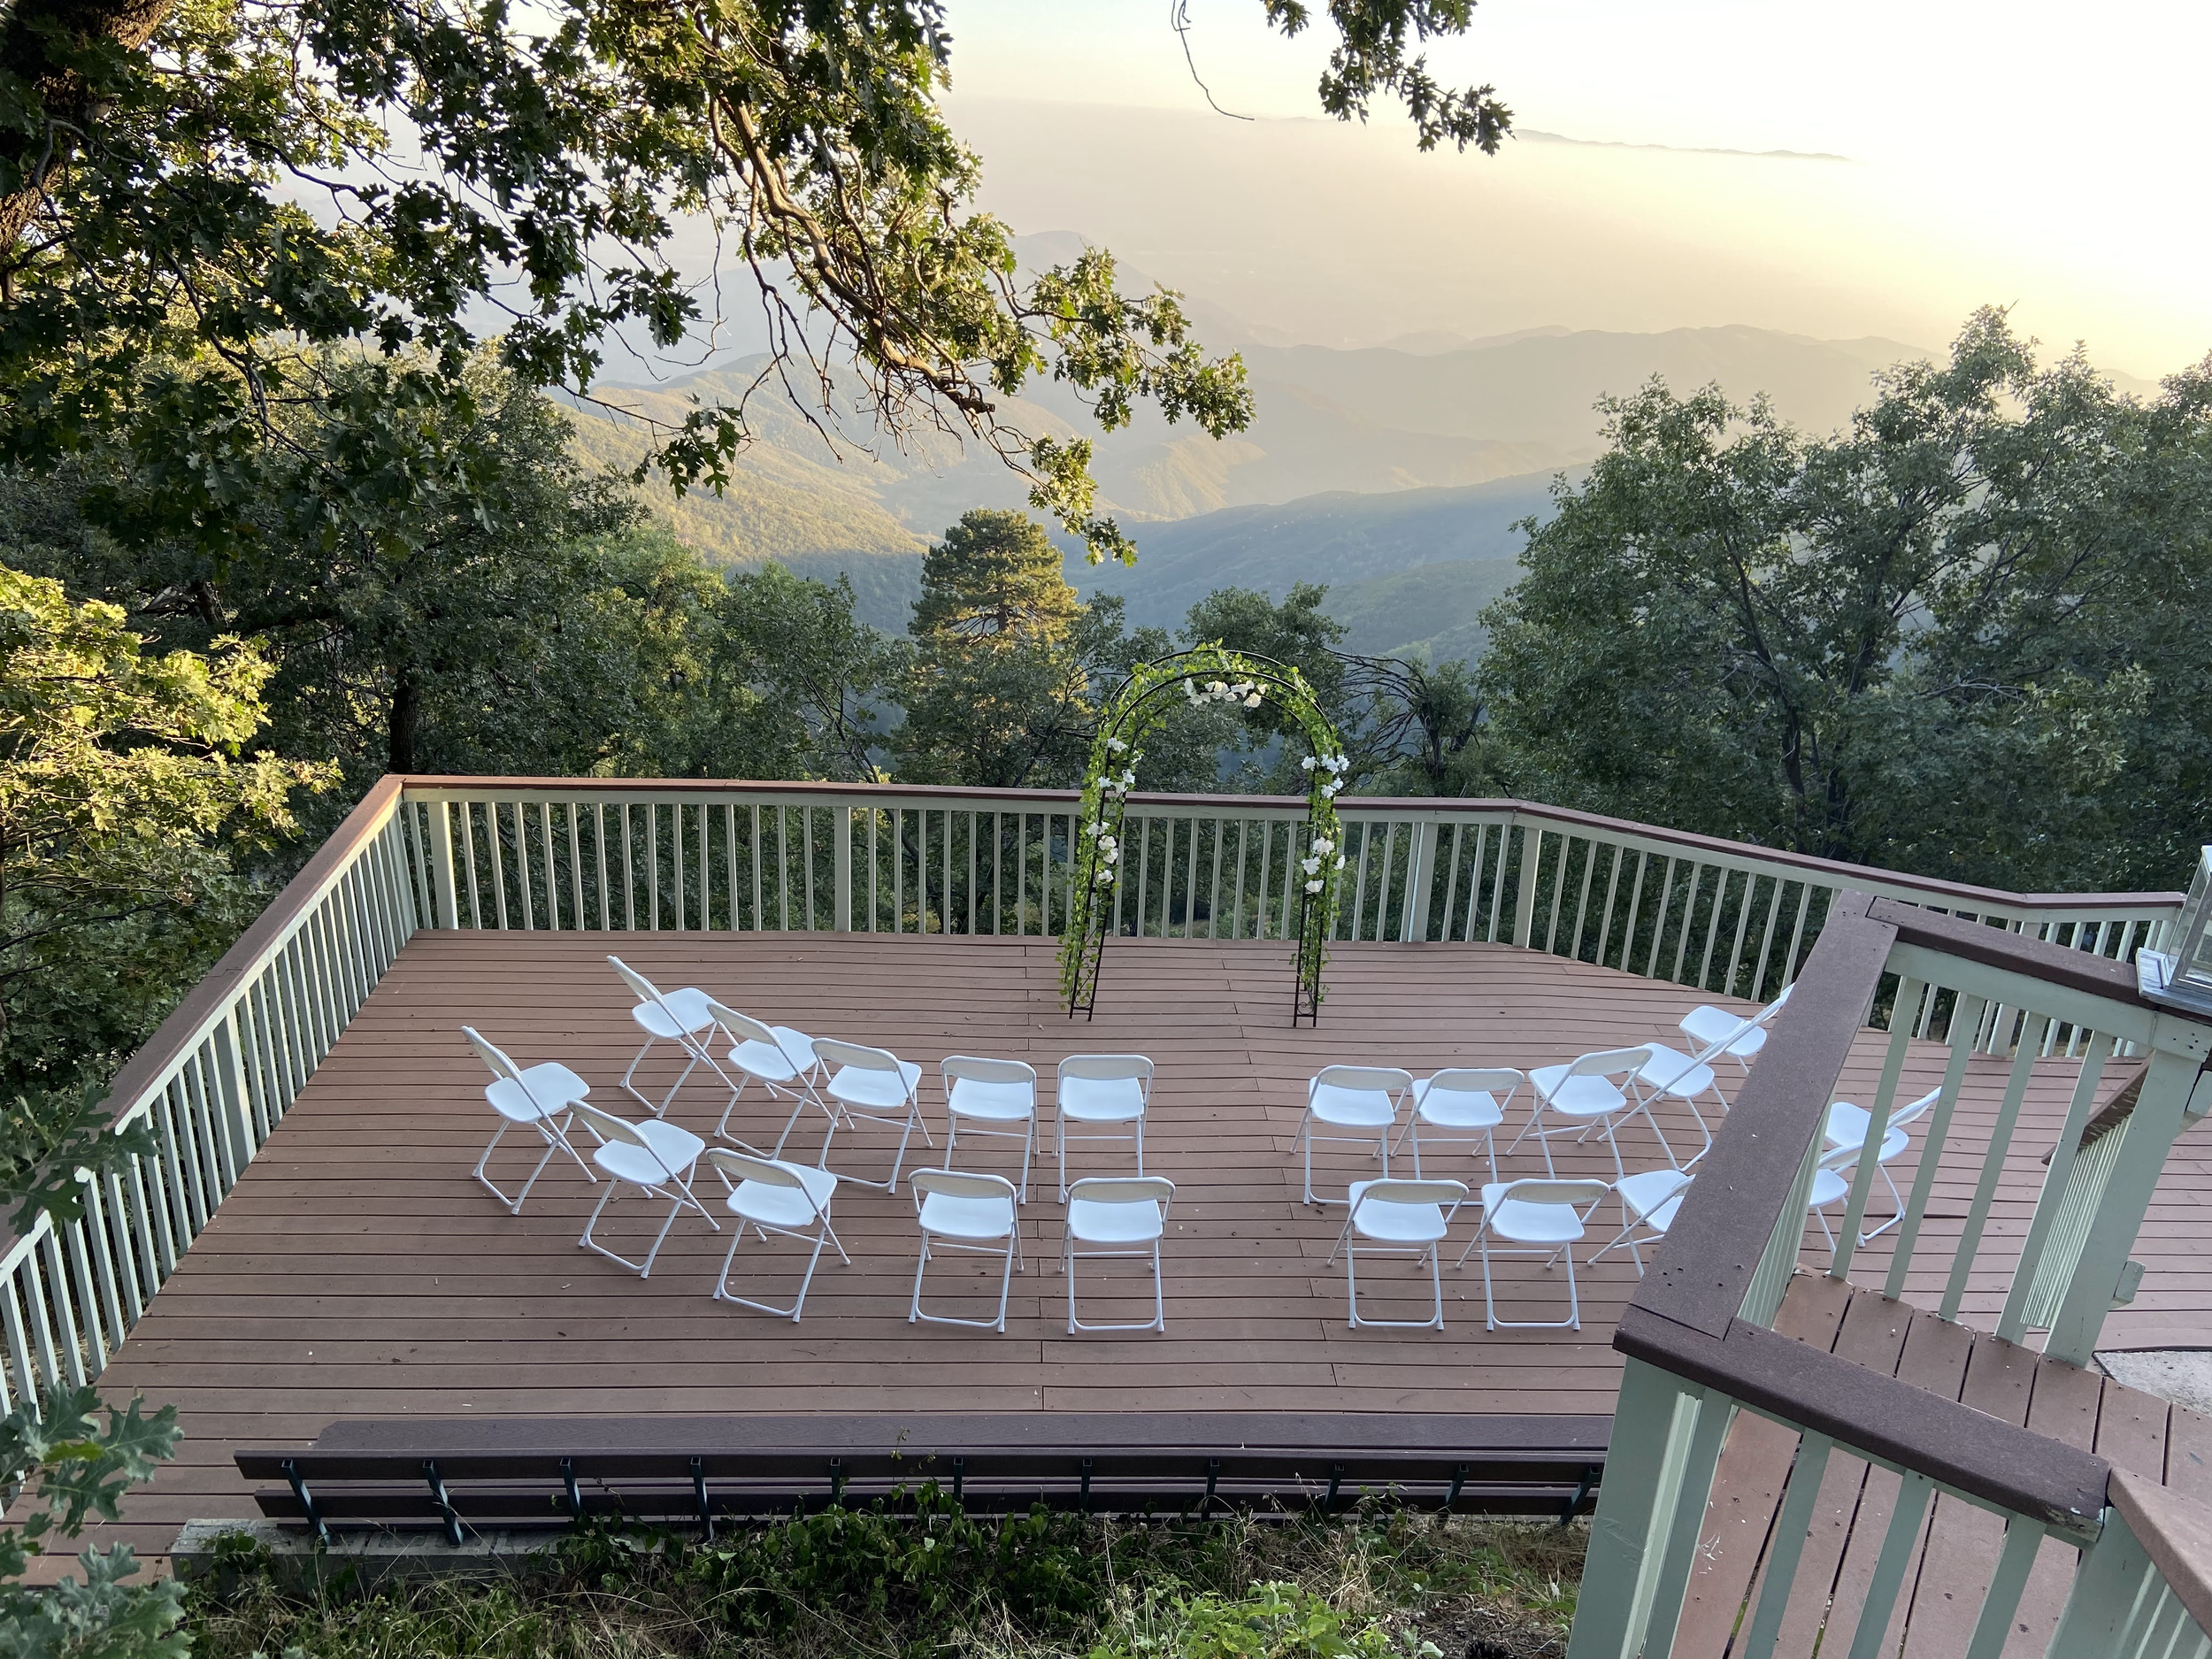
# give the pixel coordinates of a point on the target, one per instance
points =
(1747, 1484)
(1872, 1336)
(356, 1272)
(2132, 1431)
(1963, 1540)
(1931, 1355)
(2065, 1406)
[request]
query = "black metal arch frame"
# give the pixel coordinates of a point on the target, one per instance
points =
(1124, 716)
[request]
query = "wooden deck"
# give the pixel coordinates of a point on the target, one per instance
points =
(1944, 1582)
(358, 1271)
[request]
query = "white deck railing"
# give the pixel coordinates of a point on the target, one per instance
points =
(527, 853)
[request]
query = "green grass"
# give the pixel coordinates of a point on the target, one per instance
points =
(845, 1584)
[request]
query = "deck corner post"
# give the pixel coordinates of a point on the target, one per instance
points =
(1525, 901)
(1413, 926)
(841, 865)
(441, 863)
(1646, 1471)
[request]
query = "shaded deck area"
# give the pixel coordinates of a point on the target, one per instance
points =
(357, 1271)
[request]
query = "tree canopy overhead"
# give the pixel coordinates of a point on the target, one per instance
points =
(191, 190)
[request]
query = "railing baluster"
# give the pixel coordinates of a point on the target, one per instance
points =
(1986, 1188)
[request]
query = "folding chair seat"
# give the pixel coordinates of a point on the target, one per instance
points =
(657, 1158)
(781, 1060)
(1363, 1098)
(1649, 1199)
(974, 1214)
(685, 1018)
(1593, 1093)
(1737, 1037)
(1460, 1107)
(994, 1092)
(544, 1097)
(1399, 1218)
(1100, 1088)
(786, 1198)
(1538, 1212)
(870, 1085)
(1128, 1214)
(1845, 1133)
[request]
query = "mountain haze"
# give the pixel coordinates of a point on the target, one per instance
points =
(1363, 468)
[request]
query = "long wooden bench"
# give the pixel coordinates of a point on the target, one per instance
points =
(555, 1472)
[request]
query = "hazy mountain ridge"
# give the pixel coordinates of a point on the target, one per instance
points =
(1361, 468)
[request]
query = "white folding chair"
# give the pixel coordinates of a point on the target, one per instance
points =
(786, 1199)
(1685, 1079)
(679, 1017)
(1593, 1093)
(781, 1060)
(1461, 1106)
(1540, 1212)
(1000, 1092)
(544, 1097)
(1399, 1218)
(657, 1158)
(870, 1085)
(1649, 1199)
(1100, 1088)
(1844, 1134)
(1128, 1214)
(1735, 1035)
(1361, 1097)
(969, 1213)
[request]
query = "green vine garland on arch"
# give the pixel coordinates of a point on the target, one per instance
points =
(1206, 675)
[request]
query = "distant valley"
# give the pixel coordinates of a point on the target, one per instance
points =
(1393, 474)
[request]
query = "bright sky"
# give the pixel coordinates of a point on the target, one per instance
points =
(2043, 156)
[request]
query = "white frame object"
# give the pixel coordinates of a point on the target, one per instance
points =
(1392, 1084)
(1395, 1217)
(764, 1214)
(518, 1100)
(675, 1159)
(1131, 1192)
(962, 1187)
(1537, 1192)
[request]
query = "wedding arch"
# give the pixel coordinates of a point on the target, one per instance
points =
(1206, 675)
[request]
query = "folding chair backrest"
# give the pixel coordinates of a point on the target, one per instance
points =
(610, 1128)
(492, 1056)
(1366, 1079)
(1498, 1082)
(1609, 1062)
(1900, 1115)
(1397, 1192)
(1538, 1189)
(1106, 1068)
(1123, 1189)
(959, 1184)
(744, 1027)
(835, 1053)
(976, 1069)
(646, 990)
(502, 1068)
(1707, 1052)
(743, 1166)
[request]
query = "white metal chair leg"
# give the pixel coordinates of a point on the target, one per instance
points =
(1005, 1290)
(722, 1292)
(514, 1204)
